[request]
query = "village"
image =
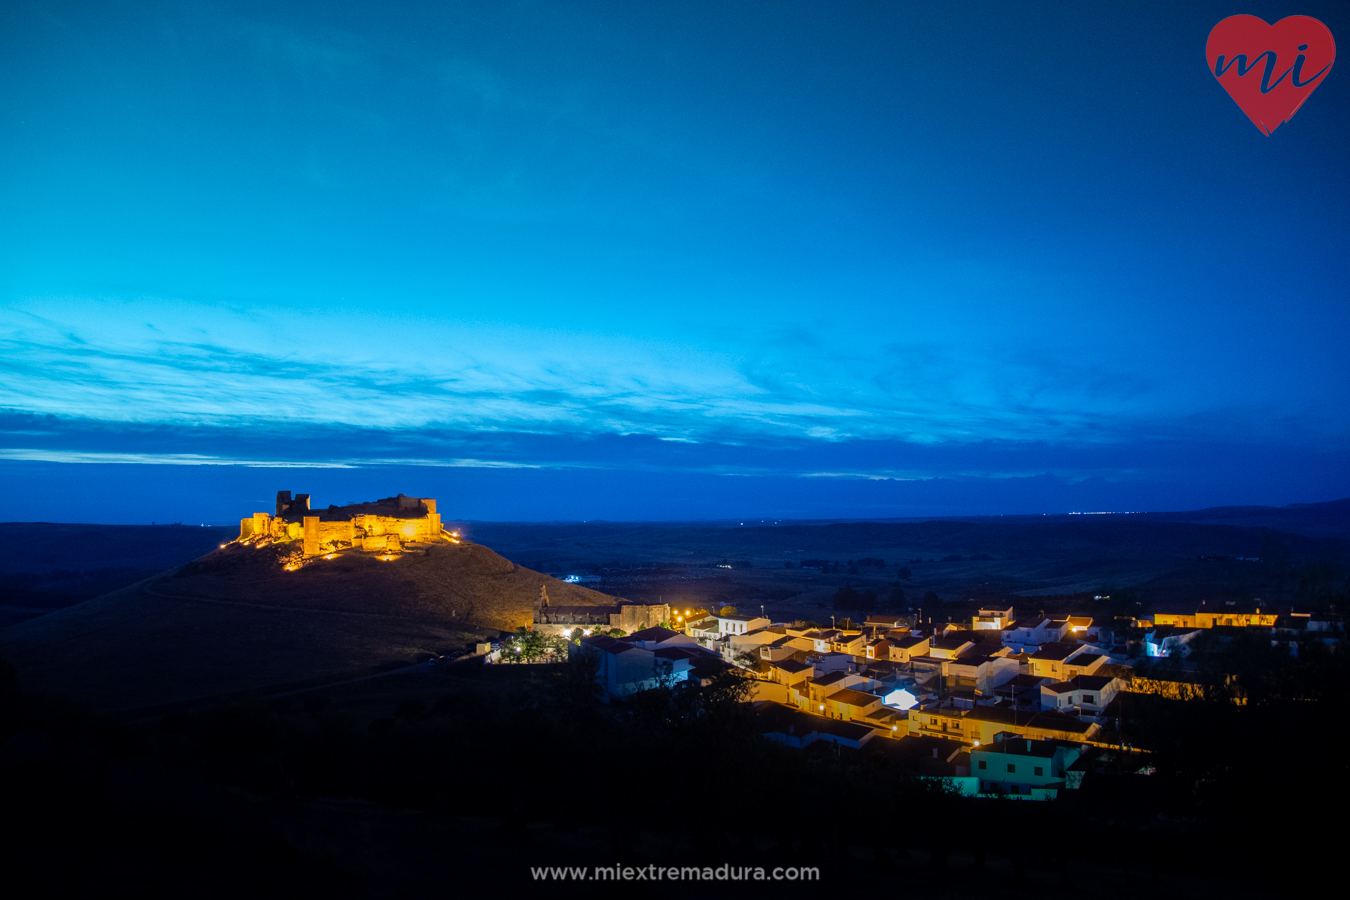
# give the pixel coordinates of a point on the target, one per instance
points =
(997, 706)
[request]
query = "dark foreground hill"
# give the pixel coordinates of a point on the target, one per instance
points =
(236, 620)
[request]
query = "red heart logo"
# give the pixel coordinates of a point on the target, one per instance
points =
(1270, 69)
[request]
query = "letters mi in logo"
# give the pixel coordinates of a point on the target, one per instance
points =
(1270, 69)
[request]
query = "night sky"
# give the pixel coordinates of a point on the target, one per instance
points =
(662, 261)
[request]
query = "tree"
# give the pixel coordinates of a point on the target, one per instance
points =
(903, 573)
(896, 598)
(527, 645)
(849, 598)
(727, 611)
(576, 693)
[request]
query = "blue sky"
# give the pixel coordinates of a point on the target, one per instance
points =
(652, 261)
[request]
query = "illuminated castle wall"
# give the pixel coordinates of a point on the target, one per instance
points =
(379, 527)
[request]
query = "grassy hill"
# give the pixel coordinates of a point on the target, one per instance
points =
(235, 620)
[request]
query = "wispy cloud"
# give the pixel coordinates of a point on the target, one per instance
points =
(249, 368)
(159, 459)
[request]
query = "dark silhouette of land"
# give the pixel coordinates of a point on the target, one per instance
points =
(235, 619)
(188, 620)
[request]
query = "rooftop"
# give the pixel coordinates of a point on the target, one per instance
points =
(1056, 650)
(607, 644)
(1031, 624)
(655, 633)
(1092, 682)
(1023, 681)
(853, 698)
(1019, 747)
(776, 718)
(971, 659)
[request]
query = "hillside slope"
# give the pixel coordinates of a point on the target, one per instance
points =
(236, 620)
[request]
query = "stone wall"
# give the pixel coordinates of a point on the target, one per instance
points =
(328, 532)
(633, 617)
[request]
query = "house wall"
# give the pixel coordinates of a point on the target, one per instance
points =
(1024, 774)
(1053, 668)
(848, 712)
(621, 674)
(901, 654)
(1212, 619)
(768, 690)
(936, 725)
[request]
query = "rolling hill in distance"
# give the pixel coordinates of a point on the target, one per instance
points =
(177, 618)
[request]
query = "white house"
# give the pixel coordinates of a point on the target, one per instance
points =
(626, 667)
(1030, 635)
(991, 619)
(1087, 695)
(1022, 768)
(740, 624)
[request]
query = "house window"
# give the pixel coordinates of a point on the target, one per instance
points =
(982, 764)
(1040, 770)
(1012, 768)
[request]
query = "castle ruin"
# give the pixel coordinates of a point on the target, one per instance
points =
(383, 526)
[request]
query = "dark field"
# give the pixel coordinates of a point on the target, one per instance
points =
(1051, 562)
(45, 566)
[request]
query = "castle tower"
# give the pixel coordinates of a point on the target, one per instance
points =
(311, 536)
